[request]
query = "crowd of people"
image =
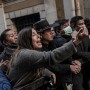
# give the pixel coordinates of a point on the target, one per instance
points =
(46, 57)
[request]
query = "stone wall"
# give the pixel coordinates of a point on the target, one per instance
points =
(69, 8)
(86, 4)
(23, 12)
(2, 19)
(46, 9)
(85, 8)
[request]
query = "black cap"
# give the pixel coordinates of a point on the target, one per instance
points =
(42, 25)
(54, 25)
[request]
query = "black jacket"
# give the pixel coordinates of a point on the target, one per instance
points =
(7, 52)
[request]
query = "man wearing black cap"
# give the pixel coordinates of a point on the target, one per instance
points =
(44, 29)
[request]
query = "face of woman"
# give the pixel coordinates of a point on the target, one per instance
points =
(36, 41)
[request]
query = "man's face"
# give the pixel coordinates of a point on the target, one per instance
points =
(80, 23)
(64, 26)
(47, 35)
(11, 37)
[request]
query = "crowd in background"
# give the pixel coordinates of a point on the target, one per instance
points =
(46, 56)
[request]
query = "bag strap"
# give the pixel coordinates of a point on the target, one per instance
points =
(34, 85)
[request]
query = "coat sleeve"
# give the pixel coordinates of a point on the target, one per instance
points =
(39, 59)
(84, 56)
(4, 82)
(60, 68)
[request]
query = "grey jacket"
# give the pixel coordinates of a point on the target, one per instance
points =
(27, 64)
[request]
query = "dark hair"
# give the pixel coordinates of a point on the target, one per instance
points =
(57, 25)
(87, 23)
(25, 38)
(74, 21)
(3, 36)
(63, 21)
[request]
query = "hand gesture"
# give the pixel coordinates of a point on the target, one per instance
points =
(79, 34)
(75, 69)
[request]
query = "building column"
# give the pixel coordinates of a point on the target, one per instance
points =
(69, 8)
(77, 7)
(60, 9)
(2, 18)
(51, 12)
(82, 5)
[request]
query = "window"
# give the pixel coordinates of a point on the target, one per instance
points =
(25, 21)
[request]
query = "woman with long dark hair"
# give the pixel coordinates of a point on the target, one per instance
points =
(28, 63)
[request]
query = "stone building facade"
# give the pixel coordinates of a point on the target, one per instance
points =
(17, 14)
(16, 11)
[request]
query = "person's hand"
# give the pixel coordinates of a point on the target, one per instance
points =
(4, 63)
(75, 69)
(76, 62)
(53, 78)
(79, 35)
